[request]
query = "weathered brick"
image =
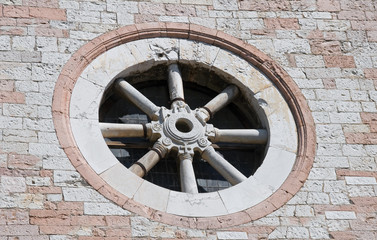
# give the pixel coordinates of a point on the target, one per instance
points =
(325, 47)
(351, 15)
(328, 5)
(18, 230)
(50, 32)
(88, 221)
(12, 97)
(180, 10)
(364, 25)
(339, 61)
(281, 23)
(16, 11)
(48, 13)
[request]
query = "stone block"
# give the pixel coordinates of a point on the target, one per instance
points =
(82, 194)
(22, 43)
(232, 235)
(104, 209)
(304, 211)
(12, 184)
(318, 198)
(361, 180)
(297, 232)
(292, 46)
(340, 215)
(225, 5)
(67, 178)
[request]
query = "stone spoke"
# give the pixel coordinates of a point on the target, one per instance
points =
(222, 166)
(137, 98)
(149, 160)
(244, 136)
(119, 130)
(221, 100)
(187, 175)
(175, 83)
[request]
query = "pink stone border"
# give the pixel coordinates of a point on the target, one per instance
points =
(296, 101)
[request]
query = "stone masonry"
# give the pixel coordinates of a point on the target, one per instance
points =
(329, 48)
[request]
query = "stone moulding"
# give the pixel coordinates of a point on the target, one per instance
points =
(291, 93)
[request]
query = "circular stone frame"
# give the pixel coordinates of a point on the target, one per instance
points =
(304, 123)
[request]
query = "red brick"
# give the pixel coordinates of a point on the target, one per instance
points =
(119, 232)
(370, 73)
(180, 10)
(373, 127)
(8, 21)
(361, 138)
(341, 61)
(352, 15)
(16, 11)
(282, 23)
(48, 13)
(356, 138)
(77, 206)
(364, 25)
(24, 161)
(364, 201)
(12, 97)
(58, 229)
(328, 5)
(315, 34)
(348, 235)
(368, 117)
(341, 173)
(88, 221)
(117, 221)
(43, 213)
(325, 47)
(44, 190)
(18, 172)
(13, 31)
(47, 221)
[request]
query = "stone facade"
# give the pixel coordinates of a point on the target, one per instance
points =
(328, 47)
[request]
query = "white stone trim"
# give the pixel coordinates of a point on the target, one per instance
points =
(143, 54)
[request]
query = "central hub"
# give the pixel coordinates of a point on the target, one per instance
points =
(180, 128)
(183, 128)
(184, 125)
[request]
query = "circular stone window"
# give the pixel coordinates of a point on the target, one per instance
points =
(184, 121)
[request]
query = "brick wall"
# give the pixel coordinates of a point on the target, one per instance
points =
(329, 47)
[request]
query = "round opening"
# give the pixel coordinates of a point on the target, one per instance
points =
(184, 125)
(201, 85)
(257, 109)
